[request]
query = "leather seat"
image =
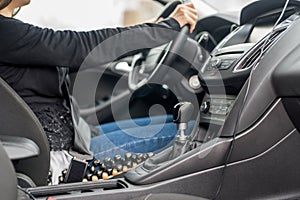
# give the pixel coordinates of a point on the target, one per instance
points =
(17, 119)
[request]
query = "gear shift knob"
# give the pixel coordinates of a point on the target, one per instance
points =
(183, 113)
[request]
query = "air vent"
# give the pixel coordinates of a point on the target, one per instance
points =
(250, 58)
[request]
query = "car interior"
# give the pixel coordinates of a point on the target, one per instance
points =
(236, 76)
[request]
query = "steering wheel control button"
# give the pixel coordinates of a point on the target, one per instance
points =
(194, 82)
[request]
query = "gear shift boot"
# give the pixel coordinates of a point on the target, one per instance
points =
(179, 148)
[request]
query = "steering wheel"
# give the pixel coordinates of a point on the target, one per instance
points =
(168, 9)
(140, 75)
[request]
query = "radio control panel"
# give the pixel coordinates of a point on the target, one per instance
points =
(215, 108)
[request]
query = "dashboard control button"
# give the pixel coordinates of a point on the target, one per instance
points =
(215, 62)
(205, 107)
(194, 82)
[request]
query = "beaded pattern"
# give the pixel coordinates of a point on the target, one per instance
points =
(57, 123)
(108, 168)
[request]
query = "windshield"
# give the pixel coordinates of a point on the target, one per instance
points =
(88, 14)
(210, 7)
(228, 5)
(76, 15)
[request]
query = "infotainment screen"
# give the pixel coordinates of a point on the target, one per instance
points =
(258, 32)
(263, 24)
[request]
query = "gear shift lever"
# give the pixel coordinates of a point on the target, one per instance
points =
(182, 115)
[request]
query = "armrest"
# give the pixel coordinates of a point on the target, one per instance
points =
(19, 147)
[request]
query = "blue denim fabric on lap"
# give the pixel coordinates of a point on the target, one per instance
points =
(140, 135)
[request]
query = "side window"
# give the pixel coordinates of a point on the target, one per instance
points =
(140, 11)
(69, 14)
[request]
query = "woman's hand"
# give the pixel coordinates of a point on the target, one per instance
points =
(185, 14)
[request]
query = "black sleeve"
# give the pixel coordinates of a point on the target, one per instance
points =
(25, 44)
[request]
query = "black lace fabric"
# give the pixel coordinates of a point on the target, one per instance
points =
(57, 123)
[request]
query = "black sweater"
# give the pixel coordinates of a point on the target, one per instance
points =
(29, 55)
(32, 58)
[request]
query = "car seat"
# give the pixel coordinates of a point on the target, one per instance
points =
(17, 119)
(8, 180)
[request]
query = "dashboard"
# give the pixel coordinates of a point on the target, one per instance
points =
(230, 63)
